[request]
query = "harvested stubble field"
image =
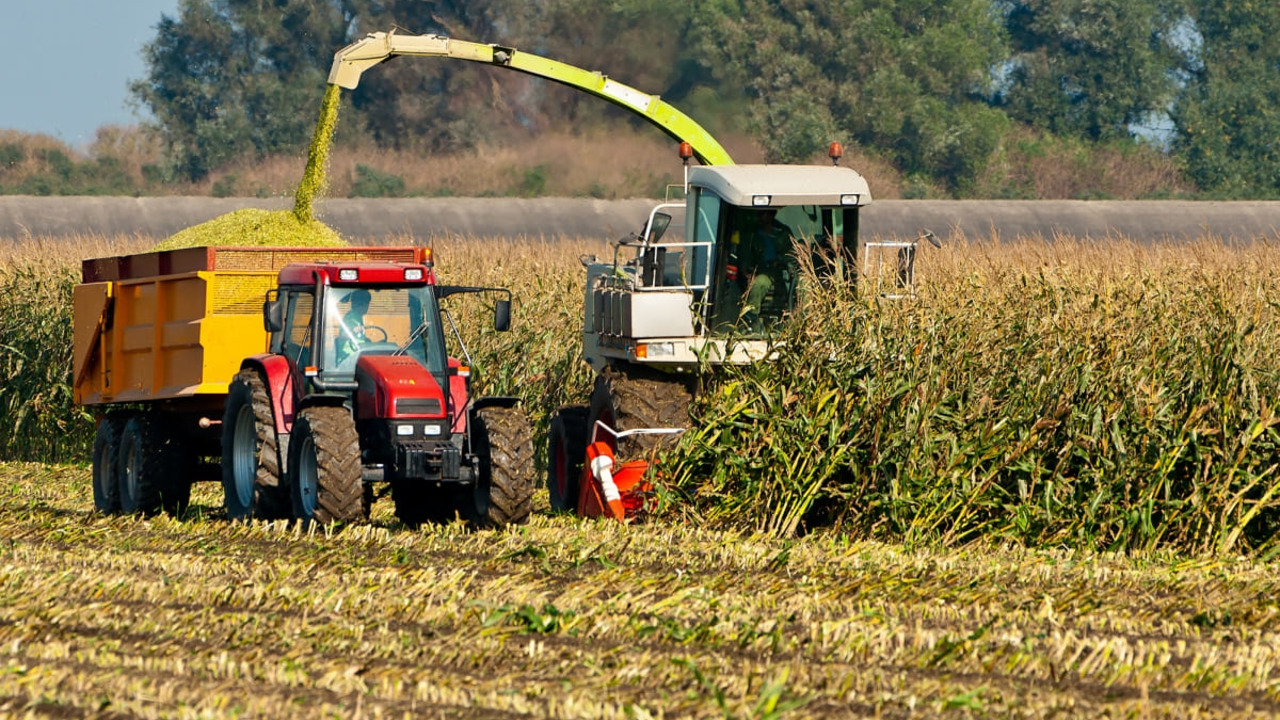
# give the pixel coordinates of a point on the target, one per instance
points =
(123, 617)
(1043, 488)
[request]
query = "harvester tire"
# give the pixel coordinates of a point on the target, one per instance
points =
(566, 451)
(417, 502)
(326, 479)
(106, 446)
(628, 399)
(251, 477)
(503, 491)
(147, 465)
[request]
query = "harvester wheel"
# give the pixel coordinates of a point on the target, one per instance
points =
(627, 399)
(148, 464)
(417, 503)
(251, 478)
(106, 445)
(324, 465)
(503, 492)
(566, 450)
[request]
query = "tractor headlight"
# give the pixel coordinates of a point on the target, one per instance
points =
(404, 430)
(348, 274)
(432, 430)
(848, 199)
(761, 200)
(413, 273)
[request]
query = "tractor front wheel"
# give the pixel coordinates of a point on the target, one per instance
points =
(503, 443)
(324, 462)
(566, 450)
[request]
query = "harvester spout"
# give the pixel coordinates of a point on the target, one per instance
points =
(350, 62)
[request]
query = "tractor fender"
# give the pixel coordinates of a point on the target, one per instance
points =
(278, 375)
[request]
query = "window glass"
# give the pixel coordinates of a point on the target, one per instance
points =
(297, 328)
(381, 321)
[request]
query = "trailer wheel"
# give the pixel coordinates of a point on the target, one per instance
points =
(106, 445)
(503, 491)
(143, 465)
(566, 450)
(250, 456)
(324, 464)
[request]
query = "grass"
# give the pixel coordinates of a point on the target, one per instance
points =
(562, 618)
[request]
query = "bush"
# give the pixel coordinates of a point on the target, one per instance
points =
(371, 183)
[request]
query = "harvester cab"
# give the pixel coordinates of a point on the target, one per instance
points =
(363, 393)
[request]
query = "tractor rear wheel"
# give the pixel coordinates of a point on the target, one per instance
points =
(566, 451)
(325, 468)
(503, 491)
(251, 477)
(632, 398)
(106, 445)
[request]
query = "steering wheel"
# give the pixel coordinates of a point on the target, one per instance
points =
(367, 328)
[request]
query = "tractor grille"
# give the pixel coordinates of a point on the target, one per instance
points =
(418, 406)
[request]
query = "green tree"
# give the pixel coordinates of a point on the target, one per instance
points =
(1227, 119)
(228, 77)
(1089, 68)
(908, 77)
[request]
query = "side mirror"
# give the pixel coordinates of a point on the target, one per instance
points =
(273, 313)
(502, 315)
(659, 226)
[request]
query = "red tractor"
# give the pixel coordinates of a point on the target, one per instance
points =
(357, 396)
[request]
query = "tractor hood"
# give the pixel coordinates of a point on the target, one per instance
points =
(396, 386)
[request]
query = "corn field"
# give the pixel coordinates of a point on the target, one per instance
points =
(1101, 395)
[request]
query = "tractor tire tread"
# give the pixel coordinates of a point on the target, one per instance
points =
(508, 442)
(340, 491)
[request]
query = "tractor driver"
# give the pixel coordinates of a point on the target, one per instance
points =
(761, 259)
(351, 334)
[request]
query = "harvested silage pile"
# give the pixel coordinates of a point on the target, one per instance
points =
(295, 228)
(252, 226)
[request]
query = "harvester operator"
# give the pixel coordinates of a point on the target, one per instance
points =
(760, 259)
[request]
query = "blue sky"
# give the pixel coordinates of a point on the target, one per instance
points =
(69, 63)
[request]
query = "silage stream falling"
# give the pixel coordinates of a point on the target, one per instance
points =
(296, 228)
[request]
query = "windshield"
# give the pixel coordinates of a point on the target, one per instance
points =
(759, 260)
(383, 321)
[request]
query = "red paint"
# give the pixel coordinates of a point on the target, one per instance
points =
(370, 273)
(458, 398)
(278, 372)
(383, 379)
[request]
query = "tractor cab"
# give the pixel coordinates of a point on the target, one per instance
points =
(325, 318)
(717, 292)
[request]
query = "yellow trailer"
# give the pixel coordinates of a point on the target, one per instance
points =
(159, 337)
(174, 325)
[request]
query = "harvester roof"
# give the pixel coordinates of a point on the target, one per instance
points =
(779, 185)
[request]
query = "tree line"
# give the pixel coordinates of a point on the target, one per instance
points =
(935, 87)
